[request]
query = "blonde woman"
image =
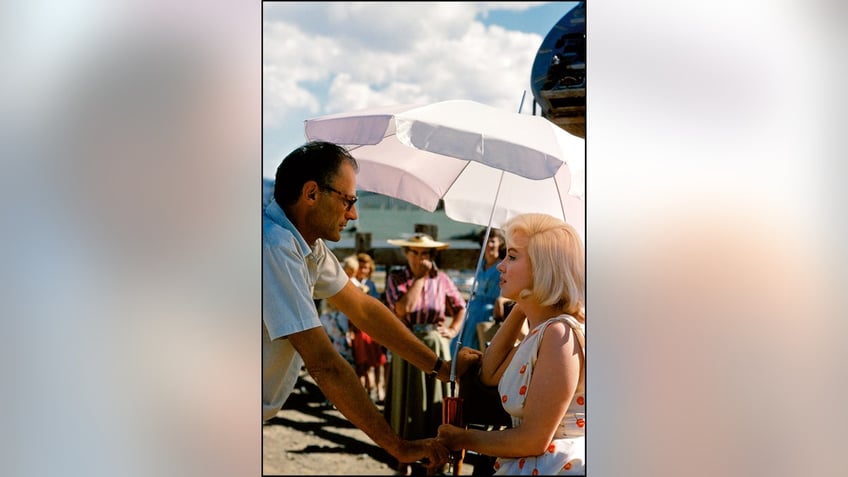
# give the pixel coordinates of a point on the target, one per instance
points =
(370, 356)
(541, 380)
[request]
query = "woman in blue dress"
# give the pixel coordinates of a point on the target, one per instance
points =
(481, 307)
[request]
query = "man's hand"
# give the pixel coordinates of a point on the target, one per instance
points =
(433, 454)
(464, 360)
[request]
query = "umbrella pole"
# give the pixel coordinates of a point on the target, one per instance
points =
(473, 293)
(477, 271)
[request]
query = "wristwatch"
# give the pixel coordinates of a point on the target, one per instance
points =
(437, 367)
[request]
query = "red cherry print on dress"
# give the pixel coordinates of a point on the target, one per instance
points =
(521, 463)
(581, 423)
(567, 466)
(580, 400)
(503, 398)
(551, 448)
(523, 390)
(535, 471)
(523, 368)
(498, 464)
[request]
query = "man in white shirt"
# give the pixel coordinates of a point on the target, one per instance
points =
(313, 201)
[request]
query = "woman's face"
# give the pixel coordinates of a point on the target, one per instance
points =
(416, 256)
(493, 248)
(516, 271)
(364, 271)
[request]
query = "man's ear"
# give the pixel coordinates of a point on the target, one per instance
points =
(310, 190)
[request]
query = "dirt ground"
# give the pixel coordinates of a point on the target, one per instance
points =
(309, 437)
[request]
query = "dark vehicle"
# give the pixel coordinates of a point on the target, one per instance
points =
(558, 77)
(568, 63)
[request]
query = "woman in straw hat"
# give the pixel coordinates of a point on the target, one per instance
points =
(422, 297)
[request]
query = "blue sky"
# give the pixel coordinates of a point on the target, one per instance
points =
(540, 18)
(329, 57)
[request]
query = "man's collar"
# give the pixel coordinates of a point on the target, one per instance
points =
(276, 213)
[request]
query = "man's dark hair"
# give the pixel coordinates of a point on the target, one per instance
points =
(317, 161)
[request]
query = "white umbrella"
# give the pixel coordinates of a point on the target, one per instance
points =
(486, 164)
(459, 151)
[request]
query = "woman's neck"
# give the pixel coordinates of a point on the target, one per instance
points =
(536, 313)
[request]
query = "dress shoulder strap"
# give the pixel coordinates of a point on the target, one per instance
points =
(579, 332)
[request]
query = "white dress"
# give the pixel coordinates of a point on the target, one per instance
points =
(566, 454)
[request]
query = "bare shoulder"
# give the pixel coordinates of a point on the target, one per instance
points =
(556, 333)
(559, 344)
(557, 328)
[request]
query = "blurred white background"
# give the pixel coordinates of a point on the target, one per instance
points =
(131, 183)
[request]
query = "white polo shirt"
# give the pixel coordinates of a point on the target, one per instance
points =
(293, 275)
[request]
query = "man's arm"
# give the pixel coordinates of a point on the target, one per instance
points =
(375, 318)
(339, 383)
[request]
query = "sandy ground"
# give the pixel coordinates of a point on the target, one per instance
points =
(309, 437)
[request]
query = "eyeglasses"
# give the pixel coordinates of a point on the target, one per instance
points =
(348, 200)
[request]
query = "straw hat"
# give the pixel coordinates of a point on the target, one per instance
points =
(419, 240)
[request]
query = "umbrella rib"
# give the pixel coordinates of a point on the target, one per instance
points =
(467, 163)
(561, 202)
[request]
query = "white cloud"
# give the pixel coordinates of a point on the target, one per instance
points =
(286, 70)
(384, 26)
(325, 58)
(515, 6)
